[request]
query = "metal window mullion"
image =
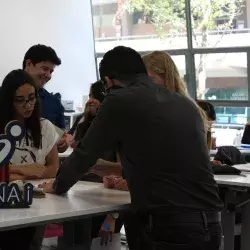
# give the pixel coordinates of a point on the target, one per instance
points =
(195, 51)
(229, 103)
(248, 74)
(220, 50)
(93, 32)
(190, 63)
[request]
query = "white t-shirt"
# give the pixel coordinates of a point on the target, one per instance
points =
(25, 153)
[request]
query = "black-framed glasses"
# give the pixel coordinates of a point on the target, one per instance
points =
(24, 103)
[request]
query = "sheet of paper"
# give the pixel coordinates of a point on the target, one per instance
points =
(114, 245)
(243, 167)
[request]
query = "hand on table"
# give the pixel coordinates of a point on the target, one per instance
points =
(115, 182)
(107, 230)
(216, 163)
(62, 145)
(47, 187)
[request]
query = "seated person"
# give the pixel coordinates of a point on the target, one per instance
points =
(96, 96)
(87, 229)
(208, 108)
(36, 155)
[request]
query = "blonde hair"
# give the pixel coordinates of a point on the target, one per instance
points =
(163, 65)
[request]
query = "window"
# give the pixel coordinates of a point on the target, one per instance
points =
(232, 116)
(222, 76)
(181, 64)
(220, 24)
(179, 61)
(228, 121)
(131, 23)
(210, 44)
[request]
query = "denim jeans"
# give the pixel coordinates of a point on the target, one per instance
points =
(172, 231)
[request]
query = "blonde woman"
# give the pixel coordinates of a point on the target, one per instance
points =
(162, 69)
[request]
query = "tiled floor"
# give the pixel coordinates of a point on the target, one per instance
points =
(49, 244)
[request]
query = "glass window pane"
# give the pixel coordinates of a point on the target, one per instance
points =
(181, 64)
(228, 121)
(220, 23)
(142, 25)
(98, 60)
(221, 76)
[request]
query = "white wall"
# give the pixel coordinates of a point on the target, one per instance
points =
(65, 25)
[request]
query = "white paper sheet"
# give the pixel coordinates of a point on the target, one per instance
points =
(114, 245)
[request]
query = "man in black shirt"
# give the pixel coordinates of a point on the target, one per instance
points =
(161, 140)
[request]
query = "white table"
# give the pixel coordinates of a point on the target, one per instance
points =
(242, 150)
(228, 218)
(83, 200)
(234, 180)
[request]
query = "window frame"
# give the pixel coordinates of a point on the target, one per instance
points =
(190, 53)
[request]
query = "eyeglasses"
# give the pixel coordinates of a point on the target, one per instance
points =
(24, 103)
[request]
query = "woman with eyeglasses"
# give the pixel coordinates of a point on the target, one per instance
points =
(36, 155)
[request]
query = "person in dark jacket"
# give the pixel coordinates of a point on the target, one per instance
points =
(175, 198)
(81, 232)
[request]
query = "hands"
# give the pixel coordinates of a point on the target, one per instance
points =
(47, 187)
(107, 230)
(33, 171)
(62, 145)
(215, 163)
(101, 162)
(115, 182)
(90, 108)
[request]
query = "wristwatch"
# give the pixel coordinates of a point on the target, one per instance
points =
(115, 215)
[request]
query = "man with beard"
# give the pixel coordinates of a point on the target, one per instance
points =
(173, 192)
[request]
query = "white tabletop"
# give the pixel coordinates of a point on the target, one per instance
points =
(243, 151)
(84, 199)
(234, 180)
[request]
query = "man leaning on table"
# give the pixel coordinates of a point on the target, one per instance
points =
(40, 62)
(167, 168)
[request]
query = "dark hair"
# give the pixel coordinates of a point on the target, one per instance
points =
(208, 108)
(11, 83)
(97, 90)
(121, 63)
(41, 53)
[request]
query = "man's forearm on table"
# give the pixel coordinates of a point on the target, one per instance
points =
(72, 170)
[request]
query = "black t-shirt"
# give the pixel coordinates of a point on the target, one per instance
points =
(162, 145)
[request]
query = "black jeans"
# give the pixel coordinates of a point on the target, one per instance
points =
(17, 239)
(173, 231)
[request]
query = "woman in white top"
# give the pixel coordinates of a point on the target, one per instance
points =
(36, 155)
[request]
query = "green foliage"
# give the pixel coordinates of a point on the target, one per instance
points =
(204, 13)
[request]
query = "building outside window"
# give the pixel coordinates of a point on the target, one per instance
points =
(210, 44)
